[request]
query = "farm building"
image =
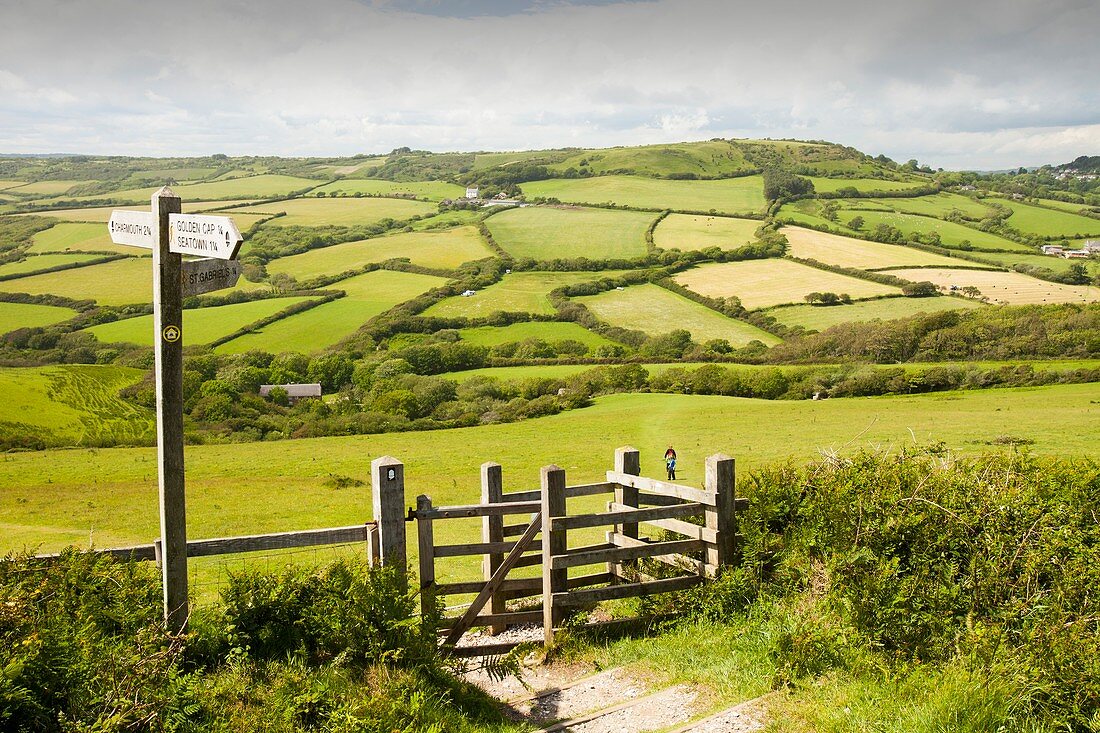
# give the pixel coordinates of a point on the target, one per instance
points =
(294, 392)
(1052, 249)
(1092, 246)
(471, 192)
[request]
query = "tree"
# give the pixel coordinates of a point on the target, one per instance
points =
(856, 223)
(923, 289)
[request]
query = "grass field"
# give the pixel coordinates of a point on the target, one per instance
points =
(546, 233)
(863, 185)
(443, 250)
(547, 331)
(200, 325)
(101, 214)
(1049, 223)
(938, 205)
(1066, 205)
(54, 498)
(764, 283)
(654, 310)
(693, 231)
(315, 212)
(71, 237)
(1057, 264)
(709, 158)
(367, 296)
(833, 249)
(432, 190)
(819, 318)
(30, 315)
(113, 283)
(71, 405)
(951, 234)
(727, 196)
(522, 292)
(247, 187)
(1012, 288)
(43, 262)
(45, 188)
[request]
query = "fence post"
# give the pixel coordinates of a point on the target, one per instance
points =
(492, 530)
(553, 543)
(720, 479)
(627, 460)
(425, 537)
(388, 484)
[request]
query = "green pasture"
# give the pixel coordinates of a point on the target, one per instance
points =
(818, 318)
(833, 249)
(46, 188)
(522, 292)
(695, 231)
(655, 310)
(245, 187)
(200, 325)
(316, 212)
(1057, 264)
(120, 282)
(764, 283)
(709, 158)
(726, 196)
(952, 235)
(432, 190)
(546, 233)
(938, 205)
(73, 237)
(496, 160)
(37, 263)
(102, 214)
(447, 220)
(71, 405)
(442, 250)
(1067, 205)
(1049, 222)
(320, 327)
(1012, 288)
(863, 185)
(30, 315)
(52, 499)
(164, 175)
(547, 331)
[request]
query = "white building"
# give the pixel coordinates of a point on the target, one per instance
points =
(471, 192)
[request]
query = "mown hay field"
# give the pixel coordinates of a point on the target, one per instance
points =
(695, 231)
(432, 190)
(200, 325)
(367, 296)
(655, 310)
(442, 250)
(316, 212)
(30, 315)
(547, 331)
(521, 292)
(726, 196)
(833, 249)
(818, 318)
(547, 233)
(764, 283)
(120, 282)
(1012, 288)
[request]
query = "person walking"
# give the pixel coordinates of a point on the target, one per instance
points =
(670, 466)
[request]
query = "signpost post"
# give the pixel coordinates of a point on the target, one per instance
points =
(171, 234)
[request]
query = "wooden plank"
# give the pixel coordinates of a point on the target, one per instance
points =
(694, 531)
(481, 548)
(374, 542)
(627, 590)
(484, 650)
(529, 560)
(740, 503)
(562, 561)
(552, 480)
(680, 562)
(492, 530)
(668, 488)
(138, 553)
(513, 530)
(571, 492)
(475, 586)
(388, 500)
(491, 587)
(626, 515)
(277, 541)
(503, 619)
(720, 481)
(483, 510)
(425, 542)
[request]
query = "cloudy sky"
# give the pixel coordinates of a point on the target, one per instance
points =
(973, 84)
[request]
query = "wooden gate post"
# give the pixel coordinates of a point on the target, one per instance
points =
(388, 484)
(425, 537)
(627, 460)
(492, 530)
(720, 478)
(554, 542)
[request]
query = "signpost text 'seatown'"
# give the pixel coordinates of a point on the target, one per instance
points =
(170, 234)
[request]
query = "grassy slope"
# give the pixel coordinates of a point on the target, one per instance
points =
(692, 231)
(262, 186)
(764, 283)
(43, 262)
(730, 196)
(704, 158)
(831, 185)
(78, 238)
(938, 205)
(833, 249)
(821, 317)
(55, 498)
(101, 214)
(1057, 264)
(112, 283)
(444, 250)
(553, 331)
(653, 309)
(367, 296)
(28, 315)
(433, 190)
(1005, 287)
(951, 234)
(1046, 222)
(314, 212)
(519, 291)
(200, 326)
(549, 233)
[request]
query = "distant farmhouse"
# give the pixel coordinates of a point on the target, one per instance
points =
(1090, 248)
(471, 192)
(294, 392)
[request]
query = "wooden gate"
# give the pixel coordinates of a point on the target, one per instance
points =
(698, 549)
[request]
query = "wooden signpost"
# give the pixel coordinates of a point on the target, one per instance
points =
(171, 234)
